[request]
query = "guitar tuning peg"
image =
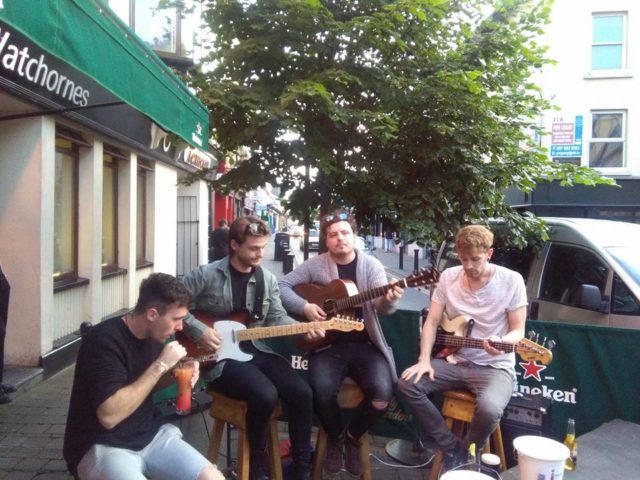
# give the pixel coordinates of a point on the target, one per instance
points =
(551, 344)
(531, 334)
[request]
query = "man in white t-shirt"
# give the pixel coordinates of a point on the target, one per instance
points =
(495, 298)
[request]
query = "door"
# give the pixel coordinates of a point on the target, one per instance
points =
(187, 241)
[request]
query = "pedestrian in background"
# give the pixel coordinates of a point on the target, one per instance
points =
(388, 241)
(5, 289)
(220, 240)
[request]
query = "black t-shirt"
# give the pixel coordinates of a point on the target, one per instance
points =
(110, 358)
(348, 272)
(239, 282)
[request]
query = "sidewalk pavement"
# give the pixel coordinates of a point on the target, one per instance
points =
(32, 426)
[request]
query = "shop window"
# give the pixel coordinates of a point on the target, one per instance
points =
(606, 148)
(608, 48)
(141, 216)
(65, 235)
(109, 213)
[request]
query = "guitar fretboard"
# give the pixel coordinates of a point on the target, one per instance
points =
(275, 331)
(359, 298)
(457, 341)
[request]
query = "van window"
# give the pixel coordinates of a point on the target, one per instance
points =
(624, 302)
(567, 268)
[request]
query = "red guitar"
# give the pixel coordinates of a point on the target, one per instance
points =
(233, 330)
(342, 296)
(452, 334)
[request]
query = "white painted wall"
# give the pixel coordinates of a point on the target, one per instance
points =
(576, 90)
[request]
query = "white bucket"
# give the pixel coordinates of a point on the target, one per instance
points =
(464, 475)
(540, 458)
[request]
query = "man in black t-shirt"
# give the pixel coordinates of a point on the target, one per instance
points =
(114, 431)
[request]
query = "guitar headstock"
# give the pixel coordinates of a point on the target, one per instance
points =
(426, 276)
(531, 351)
(343, 324)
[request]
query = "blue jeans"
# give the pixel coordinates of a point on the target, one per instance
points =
(492, 387)
(167, 457)
(365, 364)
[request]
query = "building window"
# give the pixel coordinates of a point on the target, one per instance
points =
(65, 235)
(109, 213)
(608, 50)
(169, 30)
(606, 149)
(141, 218)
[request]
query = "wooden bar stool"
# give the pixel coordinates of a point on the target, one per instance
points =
(226, 410)
(349, 397)
(458, 407)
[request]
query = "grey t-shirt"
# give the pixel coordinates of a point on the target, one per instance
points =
(488, 306)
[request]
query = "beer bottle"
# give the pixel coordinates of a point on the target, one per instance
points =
(571, 442)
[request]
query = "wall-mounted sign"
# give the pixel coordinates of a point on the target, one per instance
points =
(566, 136)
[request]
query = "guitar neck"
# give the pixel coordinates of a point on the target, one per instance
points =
(347, 303)
(275, 331)
(468, 342)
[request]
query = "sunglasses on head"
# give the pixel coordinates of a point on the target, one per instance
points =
(336, 217)
(256, 228)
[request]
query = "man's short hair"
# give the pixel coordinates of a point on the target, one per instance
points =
(243, 227)
(222, 222)
(160, 291)
(473, 237)
(334, 217)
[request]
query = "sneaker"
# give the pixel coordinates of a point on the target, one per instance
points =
(4, 398)
(453, 458)
(333, 460)
(8, 388)
(353, 458)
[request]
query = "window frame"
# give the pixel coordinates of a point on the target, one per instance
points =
(623, 43)
(61, 279)
(110, 162)
(603, 140)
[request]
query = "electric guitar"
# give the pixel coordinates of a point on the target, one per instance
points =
(342, 296)
(234, 331)
(453, 335)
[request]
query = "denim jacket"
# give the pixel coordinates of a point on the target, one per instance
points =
(210, 286)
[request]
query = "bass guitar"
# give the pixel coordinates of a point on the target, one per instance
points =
(233, 332)
(453, 335)
(342, 296)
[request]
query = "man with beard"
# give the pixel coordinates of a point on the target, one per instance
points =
(364, 355)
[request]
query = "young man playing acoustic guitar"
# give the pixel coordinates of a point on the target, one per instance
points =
(364, 356)
(234, 285)
(495, 298)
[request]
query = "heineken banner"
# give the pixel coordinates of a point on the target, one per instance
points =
(402, 331)
(593, 376)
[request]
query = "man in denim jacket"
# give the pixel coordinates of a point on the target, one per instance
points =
(228, 286)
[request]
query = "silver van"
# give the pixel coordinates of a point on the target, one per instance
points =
(588, 272)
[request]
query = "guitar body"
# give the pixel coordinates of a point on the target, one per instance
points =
(458, 326)
(342, 296)
(326, 297)
(195, 350)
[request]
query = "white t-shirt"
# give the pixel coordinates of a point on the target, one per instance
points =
(488, 306)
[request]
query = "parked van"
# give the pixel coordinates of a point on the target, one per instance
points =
(588, 272)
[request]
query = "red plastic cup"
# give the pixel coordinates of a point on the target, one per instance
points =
(183, 374)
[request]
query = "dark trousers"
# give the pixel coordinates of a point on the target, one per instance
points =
(260, 382)
(5, 289)
(367, 366)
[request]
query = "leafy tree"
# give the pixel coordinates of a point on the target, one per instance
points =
(422, 111)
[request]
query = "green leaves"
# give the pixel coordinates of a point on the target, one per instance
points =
(419, 110)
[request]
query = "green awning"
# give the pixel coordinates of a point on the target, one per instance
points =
(87, 35)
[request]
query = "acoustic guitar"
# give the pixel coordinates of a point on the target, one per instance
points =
(342, 296)
(234, 331)
(453, 335)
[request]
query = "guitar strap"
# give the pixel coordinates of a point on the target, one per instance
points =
(257, 304)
